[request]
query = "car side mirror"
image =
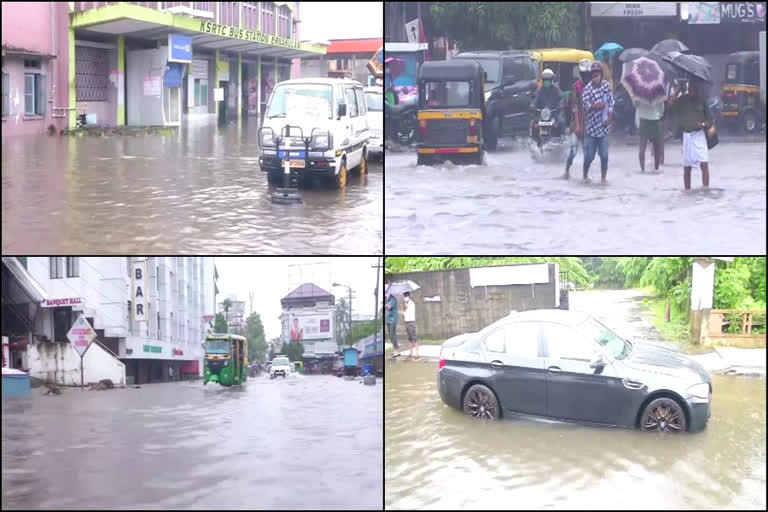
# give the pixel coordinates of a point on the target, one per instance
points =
(342, 110)
(597, 363)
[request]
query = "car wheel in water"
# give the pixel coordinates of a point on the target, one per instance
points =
(275, 178)
(340, 180)
(480, 402)
(663, 415)
(363, 167)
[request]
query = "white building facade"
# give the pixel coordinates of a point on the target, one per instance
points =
(53, 291)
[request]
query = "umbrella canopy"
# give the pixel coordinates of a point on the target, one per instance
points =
(609, 48)
(670, 45)
(693, 64)
(400, 287)
(632, 54)
(644, 81)
(395, 66)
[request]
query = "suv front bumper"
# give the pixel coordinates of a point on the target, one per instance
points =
(321, 164)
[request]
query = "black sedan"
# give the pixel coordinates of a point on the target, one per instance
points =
(568, 366)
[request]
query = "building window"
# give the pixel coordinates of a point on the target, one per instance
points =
(91, 75)
(57, 271)
(6, 95)
(268, 17)
(32, 63)
(34, 94)
(201, 92)
(283, 22)
(73, 266)
(62, 322)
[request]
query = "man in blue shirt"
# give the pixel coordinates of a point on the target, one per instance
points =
(598, 107)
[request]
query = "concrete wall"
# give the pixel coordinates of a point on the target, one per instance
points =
(60, 363)
(463, 308)
(27, 26)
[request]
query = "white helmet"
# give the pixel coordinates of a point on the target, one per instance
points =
(547, 74)
(584, 65)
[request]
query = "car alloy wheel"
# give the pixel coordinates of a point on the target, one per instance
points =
(663, 415)
(480, 402)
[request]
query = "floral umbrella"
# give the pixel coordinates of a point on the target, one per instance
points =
(644, 80)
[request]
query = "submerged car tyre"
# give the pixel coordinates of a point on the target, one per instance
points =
(363, 167)
(275, 178)
(492, 138)
(340, 180)
(480, 402)
(663, 415)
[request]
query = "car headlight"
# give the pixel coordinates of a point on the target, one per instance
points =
(700, 390)
(322, 141)
(266, 139)
(545, 113)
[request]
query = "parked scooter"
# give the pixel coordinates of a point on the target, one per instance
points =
(400, 122)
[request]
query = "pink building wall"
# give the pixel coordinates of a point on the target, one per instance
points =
(27, 26)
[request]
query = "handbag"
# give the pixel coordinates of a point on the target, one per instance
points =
(712, 138)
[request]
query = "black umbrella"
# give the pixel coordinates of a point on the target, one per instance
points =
(670, 45)
(693, 64)
(632, 54)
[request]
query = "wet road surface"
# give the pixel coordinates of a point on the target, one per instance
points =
(520, 204)
(437, 458)
(310, 442)
(197, 191)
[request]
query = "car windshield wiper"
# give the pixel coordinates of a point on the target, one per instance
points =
(276, 115)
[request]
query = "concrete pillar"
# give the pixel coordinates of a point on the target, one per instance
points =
(120, 80)
(702, 286)
(258, 83)
(216, 76)
(71, 78)
(239, 85)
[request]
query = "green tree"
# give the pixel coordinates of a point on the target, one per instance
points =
(505, 25)
(220, 324)
(294, 350)
(254, 331)
(227, 305)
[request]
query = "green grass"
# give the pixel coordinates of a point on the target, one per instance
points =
(676, 330)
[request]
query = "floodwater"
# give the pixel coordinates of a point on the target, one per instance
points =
(311, 442)
(519, 203)
(437, 458)
(197, 191)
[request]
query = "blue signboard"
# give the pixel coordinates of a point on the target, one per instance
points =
(179, 48)
(172, 75)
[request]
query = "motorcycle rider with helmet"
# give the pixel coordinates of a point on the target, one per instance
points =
(548, 96)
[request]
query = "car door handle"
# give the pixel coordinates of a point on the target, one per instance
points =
(497, 364)
(554, 369)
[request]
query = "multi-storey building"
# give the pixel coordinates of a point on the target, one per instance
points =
(43, 296)
(236, 315)
(109, 63)
(307, 316)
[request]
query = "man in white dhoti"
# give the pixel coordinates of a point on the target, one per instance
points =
(694, 119)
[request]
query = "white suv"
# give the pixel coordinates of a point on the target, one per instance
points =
(319, 125)
(374, 97)
(280, 366)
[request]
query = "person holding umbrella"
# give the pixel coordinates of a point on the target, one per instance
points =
(693, 117)
(390, 318)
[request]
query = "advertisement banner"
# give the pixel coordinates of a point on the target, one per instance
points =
(742, 12)
(138, 290)
(179, 48)
(310, 327)
(703, 13)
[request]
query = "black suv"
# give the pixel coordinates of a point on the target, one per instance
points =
(510, 88)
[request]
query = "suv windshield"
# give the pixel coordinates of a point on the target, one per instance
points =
(315, 100)
(616, 346)
(279, 361)
(491, 68)
(375, 101)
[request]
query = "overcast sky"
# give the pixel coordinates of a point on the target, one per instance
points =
(341, 20)
(273, 278)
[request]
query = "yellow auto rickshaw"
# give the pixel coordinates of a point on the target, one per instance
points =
(562, 61)
(451, 110)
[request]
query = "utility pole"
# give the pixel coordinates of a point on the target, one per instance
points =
(350, 316)
(250, 294)
(376, 301)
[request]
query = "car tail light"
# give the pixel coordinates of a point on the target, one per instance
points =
(440, 363)
(472, 127)
(423, 126)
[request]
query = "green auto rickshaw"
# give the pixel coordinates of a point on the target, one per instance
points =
(226, 359)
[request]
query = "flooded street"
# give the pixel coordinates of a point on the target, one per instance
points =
(522, 205)
(292, 443)
(438, 458)
(196, 191)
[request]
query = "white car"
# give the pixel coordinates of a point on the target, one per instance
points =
(374, 97)
(280, 366)
(319, 126)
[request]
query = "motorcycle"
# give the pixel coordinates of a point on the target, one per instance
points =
(400, 122)
(546, 126)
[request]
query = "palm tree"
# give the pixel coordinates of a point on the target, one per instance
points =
(227, 306)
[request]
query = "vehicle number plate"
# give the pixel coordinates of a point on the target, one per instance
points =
(295, 163)
(472, 138)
